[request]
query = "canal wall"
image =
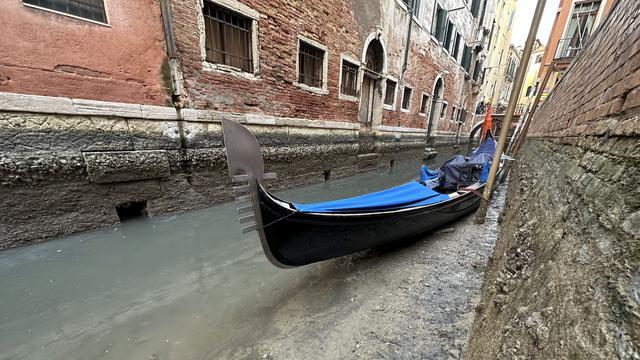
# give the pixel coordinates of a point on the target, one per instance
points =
(69, 165)
(564, 279)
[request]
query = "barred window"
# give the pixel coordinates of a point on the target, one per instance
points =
(390, 93)
(87, 9)
(310, 65)
(228, 37)
(349, 78)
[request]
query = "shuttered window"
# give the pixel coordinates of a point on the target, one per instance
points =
(228, 37)
(87, 9)
(449, 37)
(466, 58)
(439, 28)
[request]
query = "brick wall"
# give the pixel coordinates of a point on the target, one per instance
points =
(564, 278)
(337, 25)
(601, 89)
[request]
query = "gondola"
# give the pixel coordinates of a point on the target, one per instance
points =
(299, 234)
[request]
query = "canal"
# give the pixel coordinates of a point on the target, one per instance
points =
(191, 286)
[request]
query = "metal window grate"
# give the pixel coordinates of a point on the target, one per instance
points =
(310, 63)
(88, 9)
(228, 37)
(390, 93)
(349, 79)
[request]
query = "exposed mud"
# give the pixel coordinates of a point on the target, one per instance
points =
(410, 302)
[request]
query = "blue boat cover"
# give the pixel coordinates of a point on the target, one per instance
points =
(426, 174)
(407, 195)
(487, 147)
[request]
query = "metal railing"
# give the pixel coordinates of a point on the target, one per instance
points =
(568, 48)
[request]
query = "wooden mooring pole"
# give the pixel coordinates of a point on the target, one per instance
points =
(513, 101)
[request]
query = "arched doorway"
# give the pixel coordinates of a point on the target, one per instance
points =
(436, 106)
(372, 79)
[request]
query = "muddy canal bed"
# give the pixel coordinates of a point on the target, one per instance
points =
(191, 286)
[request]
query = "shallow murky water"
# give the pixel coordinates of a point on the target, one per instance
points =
(177, 287)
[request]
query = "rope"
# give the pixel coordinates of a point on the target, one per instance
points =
(282, 218)
(473, 191)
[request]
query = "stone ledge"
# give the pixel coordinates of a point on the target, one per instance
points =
(117, 166)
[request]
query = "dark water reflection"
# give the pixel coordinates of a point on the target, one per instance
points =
(177, 287)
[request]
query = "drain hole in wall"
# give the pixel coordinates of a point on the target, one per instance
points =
(327, 175)
(132, 210)
(392, 162)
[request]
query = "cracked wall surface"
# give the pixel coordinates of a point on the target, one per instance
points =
(564, 279)
(63, 173)
(52, 54)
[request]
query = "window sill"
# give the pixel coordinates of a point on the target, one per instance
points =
(311, 89)
(67, 15)
(348, 97)
(389, 107)
(228, 70)
(422, 114)
(405, 110)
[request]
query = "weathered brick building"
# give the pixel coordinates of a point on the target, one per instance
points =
(329, 88)
(339, 60)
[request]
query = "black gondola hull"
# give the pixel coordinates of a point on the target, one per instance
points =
(296, 238)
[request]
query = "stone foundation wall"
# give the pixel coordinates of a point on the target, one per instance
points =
(564, 279)
(67, 170)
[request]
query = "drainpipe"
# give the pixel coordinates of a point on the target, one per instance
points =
(405, 60)
(165, 10)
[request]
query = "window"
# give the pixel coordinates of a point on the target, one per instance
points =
(439, 24)
(529, 88)
(454, 113)
(475, 8)
(390, 93)
(423, 103)
(462, 116)
(310, 65)
(456, 47)
(228, 37)
(414, 5)
(87, 9)
(406, 98)
(449, 37)
(538, 59)
(477, 71)
(349, 79)
(466, 58)
(443, 113)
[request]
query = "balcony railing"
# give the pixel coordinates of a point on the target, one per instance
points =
(568, 48)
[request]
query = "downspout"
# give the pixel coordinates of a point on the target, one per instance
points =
(407, 45)
(176, 82)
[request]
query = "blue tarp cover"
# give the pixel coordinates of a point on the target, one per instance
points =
(426, 174)
(407, 195)
(487, 147)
